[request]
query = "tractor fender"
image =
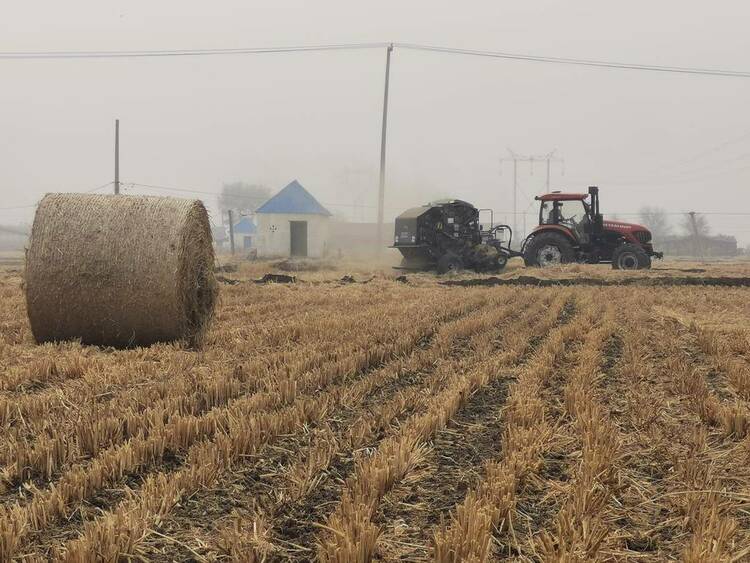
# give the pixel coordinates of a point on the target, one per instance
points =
(549, 228)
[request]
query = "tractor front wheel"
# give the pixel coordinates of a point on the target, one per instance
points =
(630, 257)
(548, 249)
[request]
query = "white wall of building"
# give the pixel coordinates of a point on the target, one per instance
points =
(274, 234)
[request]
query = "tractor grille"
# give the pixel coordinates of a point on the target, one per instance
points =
(643, 236)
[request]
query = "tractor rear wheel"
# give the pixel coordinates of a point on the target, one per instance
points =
(630, 257)
(548, 249)
(449, 263)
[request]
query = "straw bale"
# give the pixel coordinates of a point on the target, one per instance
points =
(119, 270)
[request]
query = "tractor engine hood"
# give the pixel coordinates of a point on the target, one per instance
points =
(623, 227)
(631, 231)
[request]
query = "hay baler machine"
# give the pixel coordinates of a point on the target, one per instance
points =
(448, 235)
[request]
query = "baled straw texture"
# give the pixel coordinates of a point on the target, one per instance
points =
(119, 270)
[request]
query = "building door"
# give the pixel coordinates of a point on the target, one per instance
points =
(298, 232)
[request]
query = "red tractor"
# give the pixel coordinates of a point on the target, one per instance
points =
(572, 229)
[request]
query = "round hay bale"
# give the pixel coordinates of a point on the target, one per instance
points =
(118, 270)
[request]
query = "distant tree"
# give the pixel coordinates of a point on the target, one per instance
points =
(700, 227)
(657, 221)
(696, 227)
(241, 196)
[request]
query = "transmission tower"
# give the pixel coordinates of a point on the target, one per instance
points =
(515, 158)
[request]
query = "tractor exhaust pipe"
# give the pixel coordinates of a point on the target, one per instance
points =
(596, 215)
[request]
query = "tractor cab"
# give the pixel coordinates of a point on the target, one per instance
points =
(577, 218)
(572, 229)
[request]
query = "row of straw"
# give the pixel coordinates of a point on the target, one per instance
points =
(353, 535)
(119, 529)
(153, 366)
(699, 493)
(480, 331)
(145, 450)
(579, 529)
(677, 419)
(528, 433)
(725, 354)
(96, 426)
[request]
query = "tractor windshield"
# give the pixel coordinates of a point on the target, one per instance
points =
(572, 213)
(568, 213)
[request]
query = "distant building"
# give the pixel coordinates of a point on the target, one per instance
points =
(244, 233)
(706, 246)
(292, 223)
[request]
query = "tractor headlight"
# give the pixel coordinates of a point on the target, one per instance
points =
(413, 238)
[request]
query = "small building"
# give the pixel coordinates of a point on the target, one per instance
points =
(292, 223)
(244, 233)
(705, 246)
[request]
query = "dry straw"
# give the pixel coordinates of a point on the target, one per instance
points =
(119, 270)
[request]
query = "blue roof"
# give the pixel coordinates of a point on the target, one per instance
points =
(245, 226)
(293, 199)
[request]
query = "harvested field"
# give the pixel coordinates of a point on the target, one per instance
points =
(336, 420)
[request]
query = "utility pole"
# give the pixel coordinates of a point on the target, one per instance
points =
(515, 158)
(117, 156)
(515, 195)
(381, 188)
(231, 230)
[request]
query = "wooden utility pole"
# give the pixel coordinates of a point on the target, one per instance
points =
(231, 230)
(117, 156)
(381, 187)
(515, 197)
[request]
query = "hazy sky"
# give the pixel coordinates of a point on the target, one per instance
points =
(678, 141)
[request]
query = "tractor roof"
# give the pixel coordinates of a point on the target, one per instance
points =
(557, 196)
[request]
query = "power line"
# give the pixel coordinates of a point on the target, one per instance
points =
(194, 191)
(17, 207)
(185, 190)
(99, 187)
(183, 52)
(578, 62)
(263, 199)
(29, 206)
(103, 54)
(717, 148)
(248, 198)
(500, 212)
